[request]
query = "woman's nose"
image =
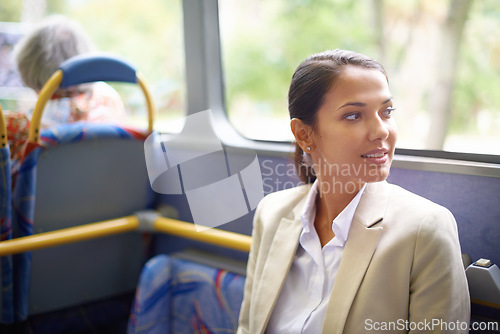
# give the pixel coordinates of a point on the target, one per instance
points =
(378, 129)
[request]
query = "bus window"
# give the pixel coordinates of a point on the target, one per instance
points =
(149, 34)
(442, 57)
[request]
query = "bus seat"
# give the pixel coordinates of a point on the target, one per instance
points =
(75, 174)
(6, 294)
(57, 187)
(180, 296)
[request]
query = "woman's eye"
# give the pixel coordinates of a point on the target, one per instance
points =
(388, 111)
(352, 116)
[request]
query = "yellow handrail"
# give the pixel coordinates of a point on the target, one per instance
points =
(3, 130)
(68, 235)
(125, 224)
(141, 81)
(209, 235)
(485, 303)
(45, 94)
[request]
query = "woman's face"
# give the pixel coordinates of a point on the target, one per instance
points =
(355, 133)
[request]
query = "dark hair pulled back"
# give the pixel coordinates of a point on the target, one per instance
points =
(312, 79)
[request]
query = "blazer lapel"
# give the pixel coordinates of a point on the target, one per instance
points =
(278, 262)
(359, 248)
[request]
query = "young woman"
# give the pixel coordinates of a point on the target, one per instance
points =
(348, 252)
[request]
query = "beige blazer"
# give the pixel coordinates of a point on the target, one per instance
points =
(401, 268)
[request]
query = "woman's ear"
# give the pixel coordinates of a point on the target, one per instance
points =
(302, 133)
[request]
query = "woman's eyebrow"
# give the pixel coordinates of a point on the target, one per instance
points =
(388, 100)
(361, 104)
(356, 104)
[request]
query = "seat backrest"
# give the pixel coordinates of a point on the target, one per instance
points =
(100, 174)
(75, 174)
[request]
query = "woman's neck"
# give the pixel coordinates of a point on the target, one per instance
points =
(329, 204)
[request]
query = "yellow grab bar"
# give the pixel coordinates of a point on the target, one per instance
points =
(115, 226)
(45, 94)
(150, 102)
(210, 235)
(3, 130)
(69, 235)
(485, 303)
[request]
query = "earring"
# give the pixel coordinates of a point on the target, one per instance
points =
(308, 148)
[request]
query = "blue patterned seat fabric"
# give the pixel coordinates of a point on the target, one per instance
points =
(6, 294)
(179, 296)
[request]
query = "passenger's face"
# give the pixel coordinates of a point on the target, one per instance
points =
(355, 133)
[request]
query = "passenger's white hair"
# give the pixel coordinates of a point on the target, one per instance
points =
(41, 51)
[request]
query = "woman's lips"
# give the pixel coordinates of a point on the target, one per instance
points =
(376, 156)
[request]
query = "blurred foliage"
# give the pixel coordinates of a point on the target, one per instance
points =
(148, 33)
(263, 43)
(56, 6)
(10, 10)
(478, 81)
(262, 54)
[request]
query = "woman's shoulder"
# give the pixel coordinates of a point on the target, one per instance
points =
(419, 210)
(283, 202)
(288, 196)
(408, 200)
(290, 193)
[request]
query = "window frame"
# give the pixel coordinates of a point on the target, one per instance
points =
(205, 90)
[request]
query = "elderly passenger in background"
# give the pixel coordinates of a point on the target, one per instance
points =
(39, 55)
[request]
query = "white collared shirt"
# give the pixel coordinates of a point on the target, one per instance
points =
(302, 303)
